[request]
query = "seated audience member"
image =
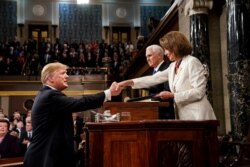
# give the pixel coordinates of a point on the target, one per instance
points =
(17, 126)
(26, 135)
(14, 132)
(20, 127)
(9, 146)
(106, 60)
(81, 151)
(16, 117)
(78, 125)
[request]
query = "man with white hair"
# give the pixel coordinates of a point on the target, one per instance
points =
(155, 59)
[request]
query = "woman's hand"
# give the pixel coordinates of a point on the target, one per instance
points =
(121, 85)
(164, 95)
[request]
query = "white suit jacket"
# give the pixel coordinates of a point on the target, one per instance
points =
(188, 86)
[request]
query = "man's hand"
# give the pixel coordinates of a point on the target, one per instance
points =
(115, 89)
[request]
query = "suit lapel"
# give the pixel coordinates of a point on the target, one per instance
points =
(177, 76)
(171, 76)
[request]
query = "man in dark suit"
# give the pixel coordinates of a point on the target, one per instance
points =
(155, 59)
(52, 142)
(26, 136)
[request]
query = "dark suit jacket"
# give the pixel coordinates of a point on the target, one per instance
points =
(164, 86)
(9, 147)
(116, 71)
(52, 141)
(164, 112)
(24, 136)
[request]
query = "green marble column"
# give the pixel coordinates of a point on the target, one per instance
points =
(238, 34)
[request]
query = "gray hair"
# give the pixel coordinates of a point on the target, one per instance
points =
(156, 49)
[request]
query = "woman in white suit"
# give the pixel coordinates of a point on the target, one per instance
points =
(187, 80)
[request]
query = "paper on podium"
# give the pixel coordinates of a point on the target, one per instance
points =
(149, 98)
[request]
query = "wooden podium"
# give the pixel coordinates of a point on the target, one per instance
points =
(161, 143)
(138, 110)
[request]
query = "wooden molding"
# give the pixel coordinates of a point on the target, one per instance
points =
(34, 93)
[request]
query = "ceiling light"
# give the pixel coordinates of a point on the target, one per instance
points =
(82, 1)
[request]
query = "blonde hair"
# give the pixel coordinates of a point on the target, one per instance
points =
(49, 69)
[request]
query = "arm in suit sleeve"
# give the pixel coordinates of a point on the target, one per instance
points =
(73, 105)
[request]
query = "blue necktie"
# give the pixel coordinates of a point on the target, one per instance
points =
(154, 72)
(29, 135)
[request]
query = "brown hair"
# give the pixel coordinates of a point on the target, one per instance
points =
(176, 42)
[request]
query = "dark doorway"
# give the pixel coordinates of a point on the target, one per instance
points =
(38, 33)
(121, 34)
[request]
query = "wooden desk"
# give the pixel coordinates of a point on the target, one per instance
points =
(138, 110)
(158, 143)
(11, 162)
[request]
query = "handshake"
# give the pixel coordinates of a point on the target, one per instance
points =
(116, 88)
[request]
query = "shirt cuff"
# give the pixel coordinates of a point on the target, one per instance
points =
(107, 95)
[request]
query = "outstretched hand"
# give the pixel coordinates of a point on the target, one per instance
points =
(114, 89)
(121, 85)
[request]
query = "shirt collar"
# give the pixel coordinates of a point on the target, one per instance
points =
(51, 87)
(157, 68)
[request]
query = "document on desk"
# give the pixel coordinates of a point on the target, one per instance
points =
(149, 98)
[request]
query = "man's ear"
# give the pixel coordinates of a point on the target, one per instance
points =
(50, 79)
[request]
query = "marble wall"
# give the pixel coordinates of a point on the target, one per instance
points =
(238, 34)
